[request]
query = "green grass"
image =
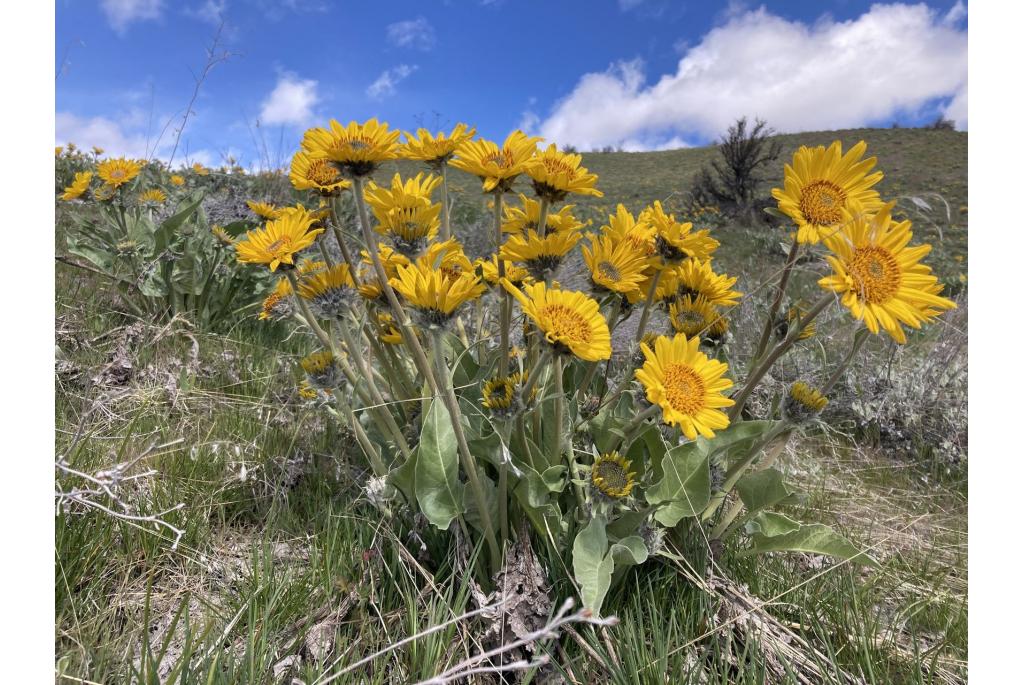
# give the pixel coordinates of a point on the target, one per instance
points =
(267, 559)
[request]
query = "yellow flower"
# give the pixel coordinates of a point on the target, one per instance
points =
(611, 476)
(521, 220)
(390, 260)
(793, 315)
(810, 398)
(674, 240)
(390, 334)
(277, 242)
(570, 321)
(405, 213)
(434, 295)
(96, 150)
(58, 151)
(307, 391)
(696, 317)
(322, 369)
(556, 174)
(153, 196)
(117, 172)
(880, 278)
(694, 277)
(502, 395)
(435, 150)
(615, 267)
(177, 180)
(220, 234)
(277, 304)
(330, 292)
(517, 275)
(263, 209)
(78, 186)
(821, 183)
(496, 166)
(687, 385)
(317, 216)
(316, 174)
(357, 148)
(541, 255)
(623, 227)
(448, 256)
(200, 170)
(104, 192)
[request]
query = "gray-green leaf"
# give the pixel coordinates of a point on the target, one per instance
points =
(592, 565)
(438, 490)
(685, 487)
(815, 538)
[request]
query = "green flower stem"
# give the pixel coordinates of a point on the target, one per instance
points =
(733, 475)
(584, 387)
(505, 432)
(325, 339)
(542, 219)
(323, 253)
(521, 432)
(466, 456)
(534, 373)
(397, 376)
(353, 266)
(361, 437)
(557, 436)
(446, 229)
(858, 341)
(791, 337)
(780, 291)
(725, 527)
(648, 304)
(506, 297)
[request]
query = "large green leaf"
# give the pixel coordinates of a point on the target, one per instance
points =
(762, 489)
(815, 538)
(102, 259)
(769, 524)
(648, 450)
(188, 274)
(739, 437)
(629, 551)
(403, 476)
(685, 487)
(490, 498)
(592, 564)
(165, 233)
(626, 524)
(438, 490)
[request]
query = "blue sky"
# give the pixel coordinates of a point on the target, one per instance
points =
(641, 74)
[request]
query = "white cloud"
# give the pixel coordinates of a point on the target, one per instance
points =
(121, 13)
(894, 58)
(413, 33)
(102, 132)
(291, 102)
(211, 11)
(386, 83)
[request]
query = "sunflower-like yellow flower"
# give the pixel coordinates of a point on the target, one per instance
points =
(686, 384)
(624, 227)
(435, 150)
(58, 151)
(694, 277)
(522, 219)
(497, 167)
(278, 242)
(503, 397)
(200, 170)
(793, 315)
(263, 209)
(676, 240)
(316, 216)
(610, 476)
(153, 196)
(390, 333)
(448, 256)
(330, 292)
(357, 148)
(821, 183)
(318, 175)
(570, 321)
(390, 260)
(694, 316)
(116, 172)
(307, 391)
(322, 369)
(880, 278)
(615, 267)
(78, 186)
(278, 304)
(405, 213)
(97, 150)
(221, 235)
(177, 180)
(517, 275)
(556, 174)
(432, 294)
(809, 397)
(540, 255)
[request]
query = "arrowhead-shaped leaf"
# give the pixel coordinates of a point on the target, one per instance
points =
(685, 484)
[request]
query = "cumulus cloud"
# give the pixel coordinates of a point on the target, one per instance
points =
(413, 33)
(211, 11)
(894, 58)
(121, 13)
(291, 102)
(386, 84)
(115, 139)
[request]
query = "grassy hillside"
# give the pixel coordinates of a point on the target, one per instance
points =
(285, 570)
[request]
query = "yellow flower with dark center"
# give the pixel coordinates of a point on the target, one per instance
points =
(318, 175)
(676, 240)
(405, 213)
(435, 150)
(686, 384)
(278, 242)
(330, 292)
(221, 235)
(278, 304)
(104, 192)
(322, 369)
(570, 321)
(497, 167)
(390, 333)
(357, 148)
(696, 317)
(116, 172)
(623, 227)
(78, 186)
(694, 277)
(502, 395)
(611, 476)
(615, 267)
(540, 255)
(880, 278)
(522, 219)
(153, 196)
(556, 174)
(317, 216)
(177, 180)
(821, 183)
(516, 275)
(433, 295)
(807, 396)
(263, 209)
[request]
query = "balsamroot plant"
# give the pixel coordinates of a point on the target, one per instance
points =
(483, 394)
